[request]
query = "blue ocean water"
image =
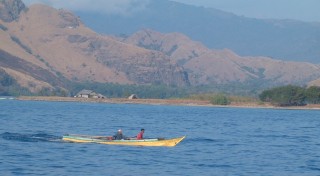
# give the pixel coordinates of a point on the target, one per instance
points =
(220, 141)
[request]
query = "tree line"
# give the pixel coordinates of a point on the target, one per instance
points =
(291, 95)
(114, 90)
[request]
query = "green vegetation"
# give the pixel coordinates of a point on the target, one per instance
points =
(52, 92)
(223, 99)
(2, 27)
(220, 99)
(279, 96)
(143, 91)
(243, 99)
(313, 95)
(6, 80)
(25, 47)
(9, 86)
(213, 98)
(291, 95)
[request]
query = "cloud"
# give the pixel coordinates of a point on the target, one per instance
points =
(123, 7)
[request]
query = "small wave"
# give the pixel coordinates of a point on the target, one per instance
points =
(313, 168)
(202, 140)
(213, 165)
(271, 136)
(38, 137)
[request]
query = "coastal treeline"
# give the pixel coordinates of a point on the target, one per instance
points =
(9, 86)
(291, 95)
(223, 99)
(288, 95)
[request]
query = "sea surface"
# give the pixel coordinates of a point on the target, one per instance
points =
(220, 141)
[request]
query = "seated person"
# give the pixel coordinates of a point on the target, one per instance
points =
(140, 135)
(119, 135)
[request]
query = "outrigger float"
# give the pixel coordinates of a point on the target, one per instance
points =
(134, 142)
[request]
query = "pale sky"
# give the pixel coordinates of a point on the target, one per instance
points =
(305, 10)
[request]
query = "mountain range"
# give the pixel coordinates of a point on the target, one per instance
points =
(45, 48)
(205, 66)
(288, 40)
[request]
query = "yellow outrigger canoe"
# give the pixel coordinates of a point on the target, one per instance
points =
(134, 142)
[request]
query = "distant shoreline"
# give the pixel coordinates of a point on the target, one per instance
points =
(179, 102)
(185, 102)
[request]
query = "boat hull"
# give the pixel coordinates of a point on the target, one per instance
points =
(133, 142)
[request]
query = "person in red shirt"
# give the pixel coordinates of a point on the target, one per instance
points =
(140, 135)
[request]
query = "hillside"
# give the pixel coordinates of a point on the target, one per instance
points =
(287, 40)
(58, 42)
(205, 66)
(44, 49)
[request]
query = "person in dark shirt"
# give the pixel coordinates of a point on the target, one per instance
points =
(140, 135)
(119, 135)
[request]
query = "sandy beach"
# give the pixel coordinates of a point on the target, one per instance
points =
(180, 102)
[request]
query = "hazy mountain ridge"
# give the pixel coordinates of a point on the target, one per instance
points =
(288, 40)
(205, 66)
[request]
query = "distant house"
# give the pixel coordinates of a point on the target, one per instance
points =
(88, 94)
(133, 96)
